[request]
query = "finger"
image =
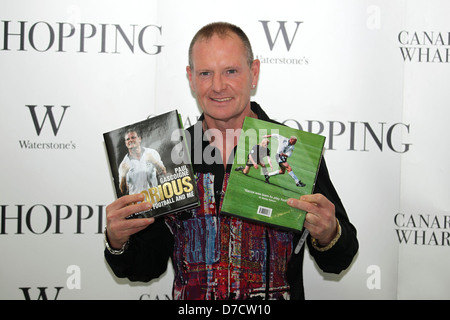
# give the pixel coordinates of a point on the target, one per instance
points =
(320, 212)
(302, 204)
(135, 223)
(132, 209)
(127, 205)
(312, 219)
(321, 205)
(128, 199)
(121, 202)
(315, 225)
(315, 198)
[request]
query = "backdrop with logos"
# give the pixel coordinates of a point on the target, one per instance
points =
(370, 76)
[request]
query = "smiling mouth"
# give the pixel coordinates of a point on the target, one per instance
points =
(221, 99)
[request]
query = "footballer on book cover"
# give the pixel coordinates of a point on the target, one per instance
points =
(272, 164)
(151, 157)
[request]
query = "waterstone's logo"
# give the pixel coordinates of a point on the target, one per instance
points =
(424, 46)
(51, 117)
(280, 36)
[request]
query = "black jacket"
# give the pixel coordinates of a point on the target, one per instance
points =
(149, 250)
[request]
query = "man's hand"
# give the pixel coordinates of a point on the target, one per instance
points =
(320, 217)
(119, 229)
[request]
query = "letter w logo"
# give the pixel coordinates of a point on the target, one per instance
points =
(49, 113)
(42, 293)
(282, 28)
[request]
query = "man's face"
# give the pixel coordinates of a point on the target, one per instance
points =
(221, 77)
(132, 140)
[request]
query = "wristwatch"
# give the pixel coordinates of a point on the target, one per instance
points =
(116, 252)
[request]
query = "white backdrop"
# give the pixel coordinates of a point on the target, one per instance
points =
(369, 75)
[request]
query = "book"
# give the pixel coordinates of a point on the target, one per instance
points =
(151, 157)
(272, 164)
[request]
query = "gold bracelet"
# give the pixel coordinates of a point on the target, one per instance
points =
(316, 245)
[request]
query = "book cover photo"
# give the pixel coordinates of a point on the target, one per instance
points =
(272, 164)
(151, 157)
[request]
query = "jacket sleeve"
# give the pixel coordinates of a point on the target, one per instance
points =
(340, 256)
(146, 256)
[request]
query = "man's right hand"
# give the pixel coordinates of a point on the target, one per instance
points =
(118, 228)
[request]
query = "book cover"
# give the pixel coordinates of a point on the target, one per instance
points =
(151, 157)
(272, 164)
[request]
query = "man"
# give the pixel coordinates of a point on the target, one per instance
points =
(256, 156)
(138, 169)
(285, 149)
(217, 256)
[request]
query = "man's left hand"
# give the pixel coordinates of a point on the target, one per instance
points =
(320, 217)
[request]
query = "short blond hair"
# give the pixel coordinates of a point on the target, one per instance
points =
(222, 29)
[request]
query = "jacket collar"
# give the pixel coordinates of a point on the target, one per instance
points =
(198, 144)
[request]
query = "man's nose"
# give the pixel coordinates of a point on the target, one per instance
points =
(218, 83)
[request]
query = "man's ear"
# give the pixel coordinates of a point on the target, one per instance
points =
(256, 64)
(189, 72)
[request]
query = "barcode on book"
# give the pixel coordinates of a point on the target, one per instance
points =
(264, 211)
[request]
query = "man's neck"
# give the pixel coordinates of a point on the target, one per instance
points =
(224, 135)
(234, 123)
(136, 152)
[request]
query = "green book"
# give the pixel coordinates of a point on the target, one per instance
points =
(272, 164)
